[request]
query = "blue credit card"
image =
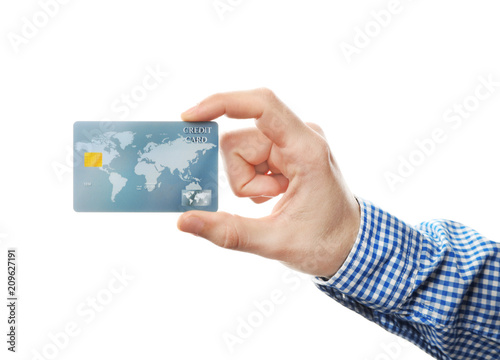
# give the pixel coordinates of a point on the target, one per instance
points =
(145, 166)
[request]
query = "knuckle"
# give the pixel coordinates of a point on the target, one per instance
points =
(315, 127)
(324, 152)
(231, 239)
(226, 141)
(267, 93)
(319, 151)
(323, 147)
(233, 168)
(238, 190)
(234, 176)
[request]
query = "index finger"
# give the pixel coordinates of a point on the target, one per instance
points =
(273, 117)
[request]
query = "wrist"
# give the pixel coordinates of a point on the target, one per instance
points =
(345, 239)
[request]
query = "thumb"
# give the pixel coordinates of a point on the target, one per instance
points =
(231, 231)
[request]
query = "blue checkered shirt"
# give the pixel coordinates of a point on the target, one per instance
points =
(436, 284)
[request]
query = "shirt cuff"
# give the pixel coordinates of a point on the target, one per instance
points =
(380, 270)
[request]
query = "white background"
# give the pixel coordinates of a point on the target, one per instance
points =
(187, 293)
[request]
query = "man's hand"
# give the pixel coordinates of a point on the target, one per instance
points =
(314, 225)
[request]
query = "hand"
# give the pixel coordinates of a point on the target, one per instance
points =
(314, 225)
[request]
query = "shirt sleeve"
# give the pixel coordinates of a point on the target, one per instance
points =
(436, 284)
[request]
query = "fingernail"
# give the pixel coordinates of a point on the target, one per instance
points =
(192, 225)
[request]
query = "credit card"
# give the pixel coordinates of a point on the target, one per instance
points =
(122, 166)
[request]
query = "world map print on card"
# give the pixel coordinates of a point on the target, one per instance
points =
(145, 166)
